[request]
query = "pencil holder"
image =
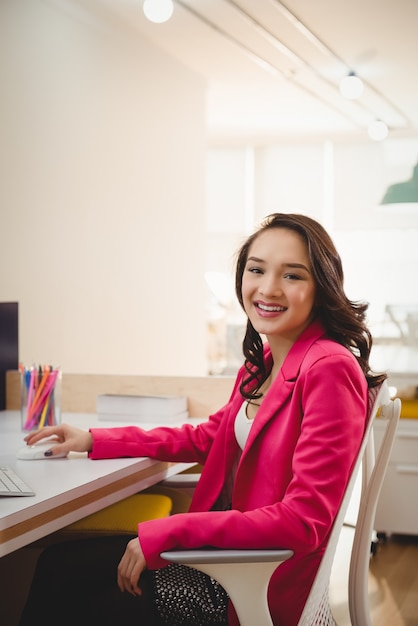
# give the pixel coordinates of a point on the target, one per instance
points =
(40, 392)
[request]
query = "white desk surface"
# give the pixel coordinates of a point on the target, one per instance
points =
(67, 489)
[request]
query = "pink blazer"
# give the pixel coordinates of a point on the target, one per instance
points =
(291, 475)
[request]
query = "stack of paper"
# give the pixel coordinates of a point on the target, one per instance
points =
(132, 408)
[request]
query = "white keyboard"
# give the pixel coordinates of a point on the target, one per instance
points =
(12, 485)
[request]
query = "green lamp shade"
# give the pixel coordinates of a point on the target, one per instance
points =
(403, 192)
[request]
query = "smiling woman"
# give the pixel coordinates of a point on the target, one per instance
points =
(275, 460)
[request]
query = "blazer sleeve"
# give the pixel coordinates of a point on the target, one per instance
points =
(185, 444)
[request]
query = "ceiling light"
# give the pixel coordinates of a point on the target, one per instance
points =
(406, 191)
(377, 130)
(351, 86)
(158, 11)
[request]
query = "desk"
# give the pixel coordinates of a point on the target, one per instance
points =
(67, 489)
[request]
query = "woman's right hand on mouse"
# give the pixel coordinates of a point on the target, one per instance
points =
(68, 438)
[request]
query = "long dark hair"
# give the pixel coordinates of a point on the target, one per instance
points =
(343, 319)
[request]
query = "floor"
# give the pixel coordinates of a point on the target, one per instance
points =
(393, 581)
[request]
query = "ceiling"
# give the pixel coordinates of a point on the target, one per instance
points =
(273, 68)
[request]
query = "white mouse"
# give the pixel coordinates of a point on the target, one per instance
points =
(36, 452)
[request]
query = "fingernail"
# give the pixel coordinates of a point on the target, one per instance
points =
(48, 453)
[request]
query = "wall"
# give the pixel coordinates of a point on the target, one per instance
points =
(102, 160)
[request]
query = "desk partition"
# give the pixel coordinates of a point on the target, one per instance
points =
(206, 394)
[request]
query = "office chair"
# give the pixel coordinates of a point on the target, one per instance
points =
(245, 574)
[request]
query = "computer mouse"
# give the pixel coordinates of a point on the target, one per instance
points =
(37, 450)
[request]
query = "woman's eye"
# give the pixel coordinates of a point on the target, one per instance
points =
(292, 277)
(254, 270)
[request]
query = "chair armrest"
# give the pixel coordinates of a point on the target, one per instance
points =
(247, 585)
(226, 556)
(181, 481)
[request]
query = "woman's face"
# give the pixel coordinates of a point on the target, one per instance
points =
(278, 289)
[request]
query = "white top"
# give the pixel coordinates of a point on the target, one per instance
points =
(242, 425)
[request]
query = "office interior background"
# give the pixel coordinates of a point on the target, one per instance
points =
(129, 180)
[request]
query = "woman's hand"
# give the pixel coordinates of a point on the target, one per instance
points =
(131, 567)
(67, 437)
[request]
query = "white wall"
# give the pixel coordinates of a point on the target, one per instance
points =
(102, 161)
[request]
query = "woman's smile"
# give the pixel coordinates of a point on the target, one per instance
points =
(269, 309)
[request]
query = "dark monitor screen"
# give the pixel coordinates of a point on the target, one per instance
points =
(9, 344)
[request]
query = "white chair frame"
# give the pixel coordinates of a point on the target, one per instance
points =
(245, 574)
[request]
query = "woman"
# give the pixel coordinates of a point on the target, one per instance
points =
(276, 458)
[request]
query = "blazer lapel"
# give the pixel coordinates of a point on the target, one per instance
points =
(283, 385)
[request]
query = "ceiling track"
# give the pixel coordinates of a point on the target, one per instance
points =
(295, 58)
(299, 25)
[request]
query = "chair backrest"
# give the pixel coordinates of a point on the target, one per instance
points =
(317, 609)
(245, 574)
(374, 470)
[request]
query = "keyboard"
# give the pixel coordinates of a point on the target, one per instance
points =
(12, 485)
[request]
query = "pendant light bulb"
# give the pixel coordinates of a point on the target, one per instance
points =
(351, 86)
(158, 11)
(377, 130)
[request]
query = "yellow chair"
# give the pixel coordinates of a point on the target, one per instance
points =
(124, 516)
(119, 518)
